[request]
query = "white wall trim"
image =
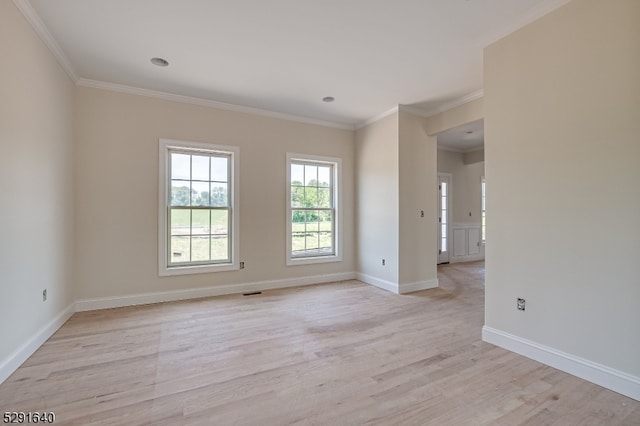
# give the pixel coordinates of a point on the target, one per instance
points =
(41, 29)
(20, 355)
(418, 286)
(468, 258)
(378, 117)
(599, 374)
(378, 282)
(460, 101)
(120, 88)
(194, 293)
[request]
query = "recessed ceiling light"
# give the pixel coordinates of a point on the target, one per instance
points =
(328, 99)
(159, 62)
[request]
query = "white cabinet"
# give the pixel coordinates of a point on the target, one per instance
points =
(467, 245)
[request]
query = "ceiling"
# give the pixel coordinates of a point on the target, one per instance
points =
(466, 138)
(284, 56)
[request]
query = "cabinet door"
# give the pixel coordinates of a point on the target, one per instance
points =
(460, 242)
(474, 241)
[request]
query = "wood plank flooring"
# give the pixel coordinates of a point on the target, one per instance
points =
(337, 354)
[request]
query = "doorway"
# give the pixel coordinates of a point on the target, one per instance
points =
(444, 216)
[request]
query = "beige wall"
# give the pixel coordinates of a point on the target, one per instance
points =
(466, 181)
(378, 198)
(417, 180)
(36, 167)
(564, 92)
(117, 190)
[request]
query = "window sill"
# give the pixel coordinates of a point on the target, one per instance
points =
(197, 269)
(312, 260)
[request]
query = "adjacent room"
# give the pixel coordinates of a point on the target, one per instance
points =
(285, 212)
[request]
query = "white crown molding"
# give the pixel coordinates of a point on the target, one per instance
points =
(208, 103)
(43, 32)
(534, 14)
(617, 381)
(417, 111)
(478, 94)
(378, 117)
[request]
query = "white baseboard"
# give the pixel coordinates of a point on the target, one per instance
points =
(418, 285)
(194, 293)
(20, 355)
(378, 282)
(599, 374)
(469, 258)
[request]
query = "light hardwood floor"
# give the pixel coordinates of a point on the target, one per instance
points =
(336, 354)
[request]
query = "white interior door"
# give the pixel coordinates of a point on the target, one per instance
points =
(444, 216)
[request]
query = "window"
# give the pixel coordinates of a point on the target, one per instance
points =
(483, 216)
(198, 225)
(313, 215)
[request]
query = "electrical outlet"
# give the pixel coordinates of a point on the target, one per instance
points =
(383, 262)
(241, 265)
(520, 304)
(44, 295)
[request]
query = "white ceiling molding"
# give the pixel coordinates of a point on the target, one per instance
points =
(43, 32)
(207, 103)
(378, 117)
(417, 111)
(534, 14)
(461, 101)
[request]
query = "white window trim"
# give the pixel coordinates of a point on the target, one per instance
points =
(337, 196)
(163, 199)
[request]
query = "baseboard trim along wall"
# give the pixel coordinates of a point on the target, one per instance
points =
(195, 293)
(599, 374)
(20, 355)
(418, 285)
(378, 282)
(395, 287)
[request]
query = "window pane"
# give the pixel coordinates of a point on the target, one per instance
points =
(297, 174)
(326, 224)
(180, 166)
(180, 190)
(200, 222)
(219, 248)
(219, 196)
(219, 169)
(298, 220)
(324, 197)
(326, 241)
(310, 175)
(297, 196)
(312, 222)
(180, 249)
(312, 241)
(443, 185)
(297, 242)
(200, 193)
(180, 221)
(220, 222)
(324, 176)
(199, 167)
(200, 249)
(311, 196)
